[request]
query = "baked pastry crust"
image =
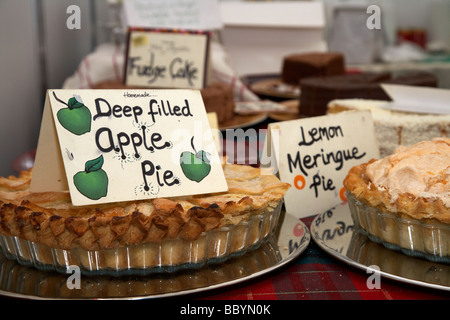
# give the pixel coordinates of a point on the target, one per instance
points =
(406, 204)
(50, 218)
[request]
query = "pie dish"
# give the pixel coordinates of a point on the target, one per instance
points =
(26, 282)
(403, 200)
(45, 230)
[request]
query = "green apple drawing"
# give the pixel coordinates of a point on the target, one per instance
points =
(93, 181)
(196, 166)
(76, 118)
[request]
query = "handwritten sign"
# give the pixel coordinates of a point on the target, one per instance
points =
(180, 14)
(315, 154)
(334, 226)
(120, 145)
(167, 59)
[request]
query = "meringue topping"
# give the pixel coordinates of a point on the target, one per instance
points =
(421, 170)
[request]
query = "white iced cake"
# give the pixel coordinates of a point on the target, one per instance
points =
(395, 128)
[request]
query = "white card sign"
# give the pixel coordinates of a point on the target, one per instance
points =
(121, 145)
(180, 14)
(315, 154)
(166, 59)
(417, 99)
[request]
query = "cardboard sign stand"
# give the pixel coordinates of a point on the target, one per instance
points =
(167, 58)
(314, 156)
(119, 145)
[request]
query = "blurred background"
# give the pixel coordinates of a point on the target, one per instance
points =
(39, 52)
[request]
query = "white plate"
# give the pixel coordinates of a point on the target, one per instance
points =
(291, 239)
(334, 232)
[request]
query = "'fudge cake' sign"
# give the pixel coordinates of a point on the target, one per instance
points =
(166, 59)
(315, 154)
(118, 145)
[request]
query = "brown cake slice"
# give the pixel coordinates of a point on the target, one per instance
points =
(299, 66)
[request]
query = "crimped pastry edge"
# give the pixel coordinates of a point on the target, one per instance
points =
(406, 205)
(110, 229)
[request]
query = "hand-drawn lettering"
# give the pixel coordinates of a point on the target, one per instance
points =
(149, 169)
(165, 109)
(153, 72)
(183, 71)
(292, 246)
(320, 133)
(105, 141)
(324, 216)
(104, 109)
(321, 181)
(109, 140)
(341, 229)
(307, 162)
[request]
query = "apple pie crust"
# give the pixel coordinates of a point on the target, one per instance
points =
(160, 229)
(403, 200)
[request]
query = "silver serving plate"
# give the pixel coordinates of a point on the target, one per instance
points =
(335, 232)
(289, 240)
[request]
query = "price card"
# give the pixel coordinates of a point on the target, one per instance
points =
(315, 154)
(167, 58)
(120, 145)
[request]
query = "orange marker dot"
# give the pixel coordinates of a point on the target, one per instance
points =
(342, 194)
(301, 179)
(298, 230)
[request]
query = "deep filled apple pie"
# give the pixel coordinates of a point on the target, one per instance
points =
(47, 231)
(403, 200)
